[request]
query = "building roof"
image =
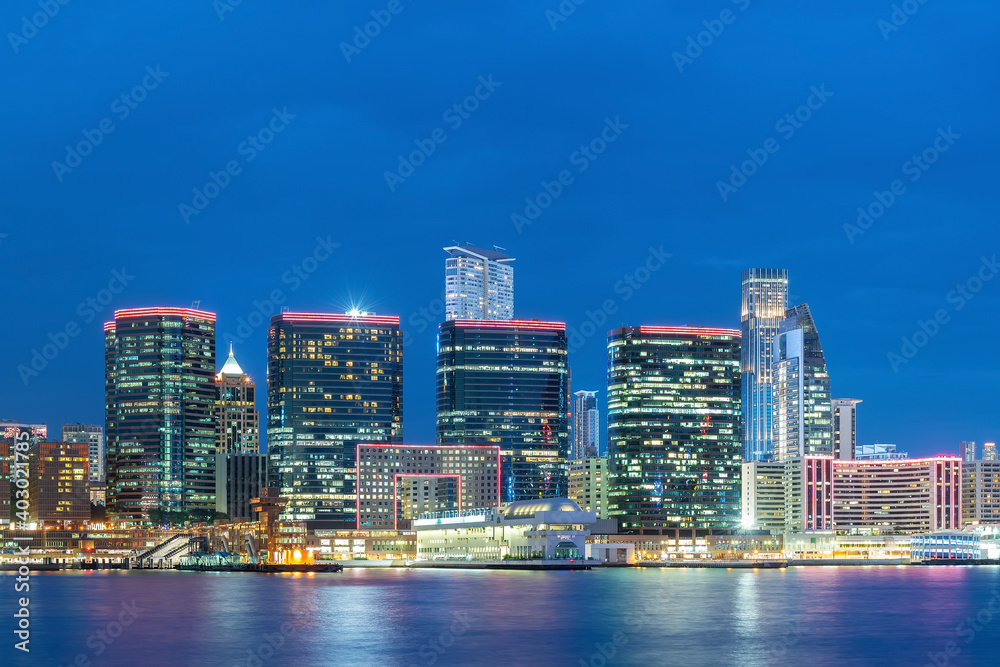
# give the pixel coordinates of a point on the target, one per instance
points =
(525, 508)
(231, 367)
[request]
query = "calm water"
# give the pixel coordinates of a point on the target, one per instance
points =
(800, 616)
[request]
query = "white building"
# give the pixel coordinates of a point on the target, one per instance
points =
(549, 528)
(845, 428)
(588, 485)
(981, 492)
(479, 284)
(764, 496)
(586, 425)
(93, 435)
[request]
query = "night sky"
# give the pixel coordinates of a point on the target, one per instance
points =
(202, 80)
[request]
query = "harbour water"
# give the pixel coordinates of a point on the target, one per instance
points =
(796, 616)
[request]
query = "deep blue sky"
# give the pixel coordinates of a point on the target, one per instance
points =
(324, 176)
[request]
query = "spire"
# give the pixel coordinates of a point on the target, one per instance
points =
(231, 367)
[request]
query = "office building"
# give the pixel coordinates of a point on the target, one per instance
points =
(586, 425)
(880, 451)
(764, 302)
(763, 497)
(981, 492)
(397, 483)
(967, 451)
(507, 384)
(479, 284)
(588, 484)
(989, 451)
(160, 425)
(549, 529)
(334, 381)
(845, 428)
(239, 478)
(13, 432)
(898, 496)
(236, 409)
(809, 493)
(802, 423)
(59, 482)
(674, 429)
(93, 435)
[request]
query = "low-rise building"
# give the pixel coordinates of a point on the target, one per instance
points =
(749, 544)
(945, 544)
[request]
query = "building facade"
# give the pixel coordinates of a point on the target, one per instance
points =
(989, 451)
(507, 384)
(239, 478)
(15, 437)
(398, 483)
(93, 435)
(59, 482)
(809, 494)
(334, 382)
(802, 423)
(236, 410)
(160, 410)
(479, 284)
(588, 484)
(763, 497)
(845, 428)
(764, 302)
(880, 451)
(586, 426)
(981, 492)
(968, 451)
(674, 428)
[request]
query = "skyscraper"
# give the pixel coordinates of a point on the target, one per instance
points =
(845, 428)
(968, 451)
(160, 407)
(586, 425)
(479, 284)
(333, 382)
(507, 383)
(764, 302)
(990, 451)
(93, 435)
(59, 482)
(802, 424)
(674, 428)
(236, 410)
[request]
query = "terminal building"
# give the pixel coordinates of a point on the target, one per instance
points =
(550, 528)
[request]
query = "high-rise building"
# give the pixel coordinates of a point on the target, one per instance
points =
(506, 383)
(398, 483)
(809, 493)
(588, 484)
(59, 482)
(802, 423)
(333, 382)
(160, 411)
(239, 478)
(845, 428)
(479, 284)
(14, 437)
(764, 302)
(968, 451)
(763, 497)
(674, 428)
(981, 492)
(236, 409)
(990, 451)
(586, 425)
(93, 435)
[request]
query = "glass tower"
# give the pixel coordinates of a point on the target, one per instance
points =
(506, 383)
(333, 382)
(160, 409)
(586, 425)
(765, 300)
(803, 418)
(236, 410)
(479, 284)
(674, 428)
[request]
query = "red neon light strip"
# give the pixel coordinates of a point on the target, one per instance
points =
(510, 324)
(163, 312)
(339, 318)
(688, 331)
(109, 326)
